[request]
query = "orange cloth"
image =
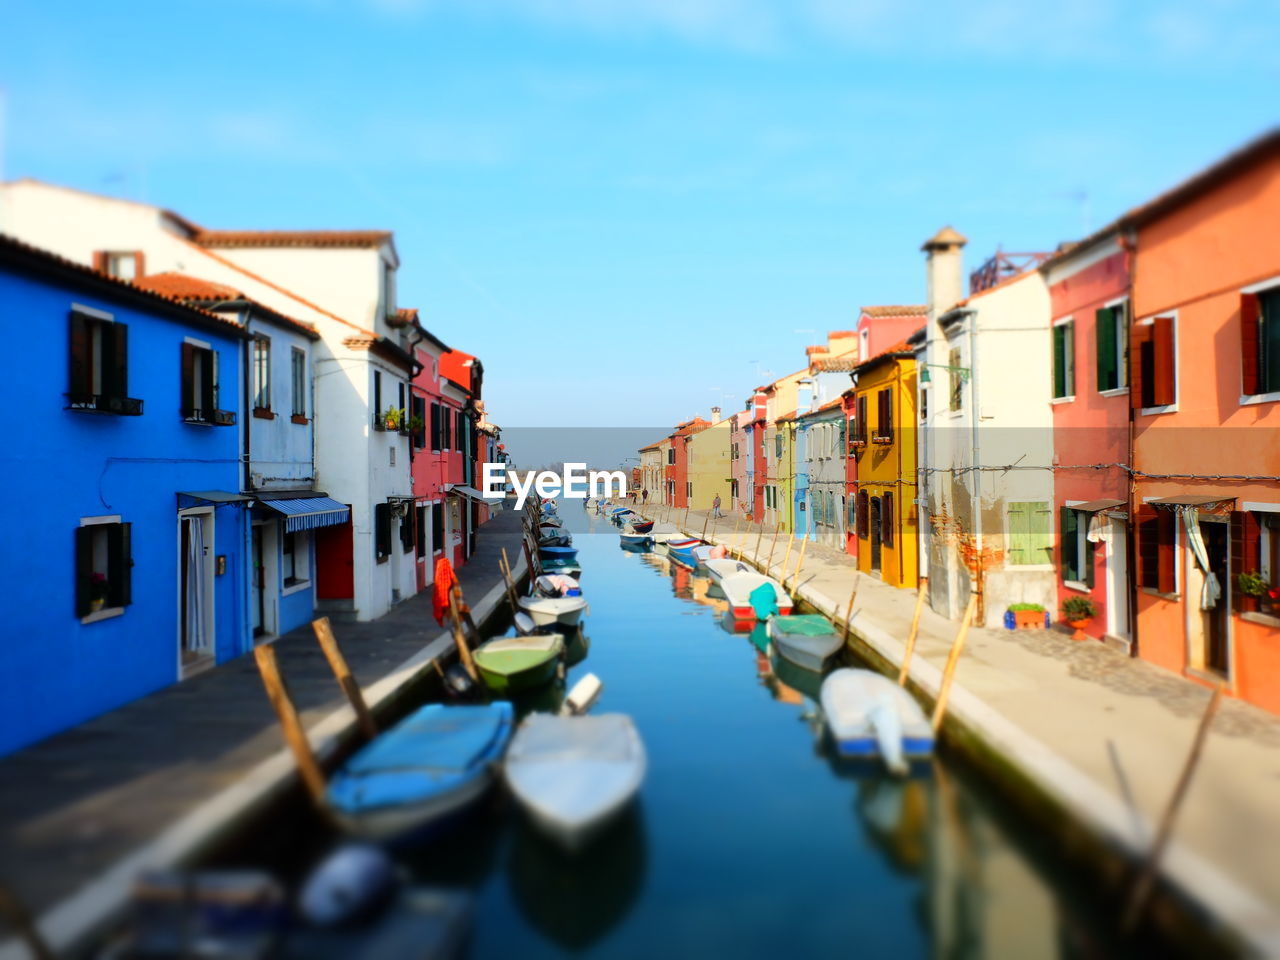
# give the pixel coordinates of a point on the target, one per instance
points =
(445, 581)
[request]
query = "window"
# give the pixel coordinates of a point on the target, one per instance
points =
(688, 490)
(99, 365)
(860, 424)
(1075, 546)
(1029, 540)
(1111, 331)
(924, 403)
(1155, 371)
(435, 428)
(1260, 341)
(298, 376)
(460, 430)
(422, 532)
(295, 552)
(851, 521)
(1064, 359)
(407, 532)
(884, 416)
(261, 376)
(437, 528)
(122, 264)
(1255, 548)
(382, 531)
(671, 455)
(200, 386)
(379, 415)
(777, 445)
(957, 383)
(104, 565)
(864, 511)
(1157, 537)
(388, 291)
(886, 518)
(419, 416)
(446, 432)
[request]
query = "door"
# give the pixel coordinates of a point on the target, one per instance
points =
(1117, 559)
(874, 519)
(335, 563)
(257, 579)
(195, 631)
(1216, 545)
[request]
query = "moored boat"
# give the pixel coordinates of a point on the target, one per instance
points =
(557, 552)
(513, 664)
(718, 569)
(546, 611)
(807, 640)
(682, 551)
(870, 715)
(430, 765)
(573, 774)
(739, 587)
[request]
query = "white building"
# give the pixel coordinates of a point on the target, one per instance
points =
(986, 452)
(340, 282)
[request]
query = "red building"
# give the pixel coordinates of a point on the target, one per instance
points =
(679, 474)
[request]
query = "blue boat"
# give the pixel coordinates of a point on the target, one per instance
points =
(685, 552)
(432, 764)
(557, 553)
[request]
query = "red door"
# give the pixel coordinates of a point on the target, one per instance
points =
(335, 563)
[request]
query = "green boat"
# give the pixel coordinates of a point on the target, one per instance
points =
(512, 664)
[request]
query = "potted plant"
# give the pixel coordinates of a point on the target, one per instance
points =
(1026, 616)
(1252, 587)
(1078, 611)
(98, 589)
(416, 424)
(392, 418)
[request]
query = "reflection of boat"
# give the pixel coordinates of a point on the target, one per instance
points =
(635, 546)
(430, 765)
(738, 588)
(796, 677)
(895, 812)
(869, 714)
(777, 689)
(576, 646)
(511, 664)
(575, 900)
(573, 774)
(807, 640)
(758, 635)
(421, 922)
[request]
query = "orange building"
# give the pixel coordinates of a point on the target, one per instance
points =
(1204, 357)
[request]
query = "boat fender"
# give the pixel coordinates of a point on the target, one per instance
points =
(349, 884)
(583, 696)
(457, 681)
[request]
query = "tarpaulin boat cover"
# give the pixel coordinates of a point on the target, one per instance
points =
(804, 625)
(764, 601)
(543, 738)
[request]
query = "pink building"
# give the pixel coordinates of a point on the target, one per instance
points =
(879, 328)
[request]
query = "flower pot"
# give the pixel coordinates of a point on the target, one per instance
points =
(97, 604)
(1028, 619)
(1248, 603)
(1078, 626)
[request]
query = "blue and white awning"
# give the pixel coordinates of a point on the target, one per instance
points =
(307, 513)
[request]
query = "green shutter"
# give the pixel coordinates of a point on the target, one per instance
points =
(1105, 330)
(1059, 361)
(1018, 533)
(1067, 519)
(1040, 533)
(1269, 317)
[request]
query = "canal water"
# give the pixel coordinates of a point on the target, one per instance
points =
(749, 840)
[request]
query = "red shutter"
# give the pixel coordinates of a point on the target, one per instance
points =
(1140, 335)
(1166, 524)
(1246, 555)
(100, 260)
(1148, 548)
(1166, 367)
(1249, 312)
(139, 265)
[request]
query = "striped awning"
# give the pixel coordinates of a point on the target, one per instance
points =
(307, 513)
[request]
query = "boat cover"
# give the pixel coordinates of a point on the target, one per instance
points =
(764, 601)
(544, 738)
(803, 625)
(427, 753)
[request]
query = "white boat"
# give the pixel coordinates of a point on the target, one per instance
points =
(870, 715)
(630, 535)
(574, 774)
(551, 611)
(808, 640)
(725, 567)
(737, 590)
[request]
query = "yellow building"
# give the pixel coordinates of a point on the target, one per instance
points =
(710, 470)
(884, 444)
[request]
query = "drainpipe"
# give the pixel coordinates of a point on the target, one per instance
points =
(1129, 243)
(980, 611)
(246, 412)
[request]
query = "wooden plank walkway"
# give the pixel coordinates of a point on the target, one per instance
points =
(75, 804)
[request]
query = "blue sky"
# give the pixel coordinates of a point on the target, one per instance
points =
(634, 210)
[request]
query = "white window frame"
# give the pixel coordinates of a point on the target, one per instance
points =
(1149, 321)
(1122, 348)
(1082, 543)
(301, 560)
(106, 613)
(1252, 399)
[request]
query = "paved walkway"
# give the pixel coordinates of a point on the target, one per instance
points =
(77, 803)
(1108, 732)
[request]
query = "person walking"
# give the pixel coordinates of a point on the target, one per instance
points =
(715, 508)
(644, 495)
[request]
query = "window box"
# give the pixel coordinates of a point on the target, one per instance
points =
(299, 419)
(263, 413)
(212, 418)
(104, 403)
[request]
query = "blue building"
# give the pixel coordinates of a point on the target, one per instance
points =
(128, 538)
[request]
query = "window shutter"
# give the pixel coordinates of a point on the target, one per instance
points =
(1138, 386)
(1165, 362)
(382, 529)
(100, 260)
(118, 372)
(1249, 310)
(1059, 361)
(188, 374)
(120, 564)
(407, 531)
(1090, 549)
(886, 519)
(863, 510)
(1246, 555)
(80, 380)
(862, 418)
(84, 569)
(1165, 524)
(1068, 545)
(1105, 332)
(211, 380)
(139, 264)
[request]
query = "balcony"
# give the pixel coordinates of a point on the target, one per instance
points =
(104, 403)
(212, 418)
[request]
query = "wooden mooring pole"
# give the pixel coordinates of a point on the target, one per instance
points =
(786, 559)
(16, 915)
(953, 658)
(1146, 878)
(755, 556)
(338, 664)
(915, 630)
(773, 545)
(505, 566)
(459, 636)
(848, 610)
(795, 577)
(295, 736)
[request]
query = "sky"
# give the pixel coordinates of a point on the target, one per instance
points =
(633, 211)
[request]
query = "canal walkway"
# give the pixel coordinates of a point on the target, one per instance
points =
(1096, 735)
(165, 779)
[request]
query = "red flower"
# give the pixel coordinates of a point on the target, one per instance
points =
(1274, 593)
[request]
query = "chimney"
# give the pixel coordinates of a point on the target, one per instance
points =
(944, 269)
(715, 414)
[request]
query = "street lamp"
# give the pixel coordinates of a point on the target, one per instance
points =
(962, 371)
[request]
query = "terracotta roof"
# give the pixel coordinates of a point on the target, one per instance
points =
(785, 416)
(292, 238)
(18, 248)
(205, 293)
(829, 405)
(841, 364)
(820, 348)
(900, 350)
(918, 310)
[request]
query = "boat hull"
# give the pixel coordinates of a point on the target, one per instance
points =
(869, 715)
(548, 611)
